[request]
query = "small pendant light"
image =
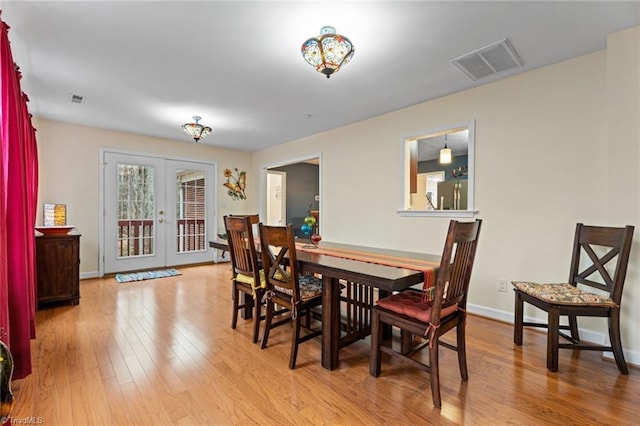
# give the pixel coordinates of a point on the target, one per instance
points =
(445, 153)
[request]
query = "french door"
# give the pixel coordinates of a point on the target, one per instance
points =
(158, 212)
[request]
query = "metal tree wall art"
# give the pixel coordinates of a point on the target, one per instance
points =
(236, 184)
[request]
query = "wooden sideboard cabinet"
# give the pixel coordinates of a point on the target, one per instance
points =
(58, 269)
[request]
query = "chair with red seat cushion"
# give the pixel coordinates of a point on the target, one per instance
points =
(432, 319)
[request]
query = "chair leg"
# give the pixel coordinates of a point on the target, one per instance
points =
(406, 342)
(518, 313)
(553, 336)
(434, 375)
(375, 359)
(295, 338)
(616, 342)
(462, 349)
(573, 326)
(267, 324)
(307, 319)
(235, 295)
(257, 308)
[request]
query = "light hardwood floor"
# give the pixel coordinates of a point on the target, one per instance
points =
(162, 352)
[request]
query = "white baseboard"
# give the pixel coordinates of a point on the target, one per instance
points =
(495, 314)
(631, 357)
(87, 275)
(217, 257)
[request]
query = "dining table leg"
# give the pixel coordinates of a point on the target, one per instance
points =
(330, 322)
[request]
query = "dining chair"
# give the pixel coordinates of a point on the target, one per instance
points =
(287, 288)
(247, 279)
(254, 219)
(599, 261)
(445, 311)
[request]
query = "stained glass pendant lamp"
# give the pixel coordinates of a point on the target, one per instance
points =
(328, 52)
(196, 130)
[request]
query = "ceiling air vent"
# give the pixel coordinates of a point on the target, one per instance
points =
(488, 60)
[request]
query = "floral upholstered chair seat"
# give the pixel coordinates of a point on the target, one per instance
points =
(564, 294)
(310, 287)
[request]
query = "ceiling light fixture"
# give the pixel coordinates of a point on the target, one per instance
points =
(328, 52)
(196, 130)
(445, 153)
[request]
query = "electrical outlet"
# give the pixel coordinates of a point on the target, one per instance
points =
(502, 285)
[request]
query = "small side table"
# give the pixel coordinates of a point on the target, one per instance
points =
(58, 269)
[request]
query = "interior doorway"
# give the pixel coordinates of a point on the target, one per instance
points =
(300, 190)
(276, 198)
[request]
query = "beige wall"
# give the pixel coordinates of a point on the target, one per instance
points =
(554, 146)
(623, 150)
(69, 158)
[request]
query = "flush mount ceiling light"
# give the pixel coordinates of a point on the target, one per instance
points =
(445, 153)
(196, 130)
(328, 52)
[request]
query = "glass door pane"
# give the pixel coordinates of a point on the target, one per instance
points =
(136, 211)
(191, 217)
(190, 211)
(134, 219)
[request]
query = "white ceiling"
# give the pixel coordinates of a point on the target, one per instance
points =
(147, 67)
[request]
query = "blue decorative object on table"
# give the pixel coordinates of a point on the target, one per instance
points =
(307, 230)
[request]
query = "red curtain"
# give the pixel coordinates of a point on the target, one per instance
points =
(18, 204)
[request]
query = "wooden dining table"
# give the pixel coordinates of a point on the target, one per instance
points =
(351, 287)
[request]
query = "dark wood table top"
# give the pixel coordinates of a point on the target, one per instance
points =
(219, 244)
(387, 278)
